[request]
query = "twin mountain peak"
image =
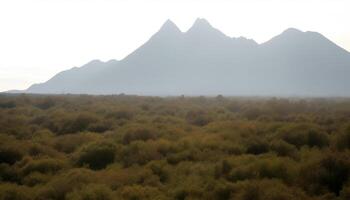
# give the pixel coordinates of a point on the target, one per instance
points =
(205, 61)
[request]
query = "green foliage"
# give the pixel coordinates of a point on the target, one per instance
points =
(46, 165)
(265, 190)
(75, 147)
(7, 104)
(283, 148)
(80, 123)
(257, 146)
(91, 192)
(9, 154)
(45, 103)
(198, 117)
(328, 174)
(343, 139)
(63, 184)
(136, 192)
(97, 155)
(15, 192)
(35, 178)
(71, 142)
(142, 134)
(8, 173)
(304, 134)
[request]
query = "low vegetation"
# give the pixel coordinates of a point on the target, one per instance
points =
(176, 148)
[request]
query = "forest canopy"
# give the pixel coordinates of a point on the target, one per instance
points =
(80, 147)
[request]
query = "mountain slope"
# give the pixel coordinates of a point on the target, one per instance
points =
(204, 61)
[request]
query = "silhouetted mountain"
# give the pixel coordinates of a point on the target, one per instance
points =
(204, 61)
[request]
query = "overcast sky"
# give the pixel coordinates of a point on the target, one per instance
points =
(39, 38)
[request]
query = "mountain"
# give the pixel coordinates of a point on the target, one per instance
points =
(204, 61)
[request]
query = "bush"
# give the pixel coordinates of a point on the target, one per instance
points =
(9, 154)
(257, 146)
(345, 193)
(283, 148)
(97, 155)
(265, 190)
(8, 173)
(35, 178)
(142, 134)
(140, 153)
(327, 174)
(60, 186)
(304, 135)
(69, 143)
(121, 115)
(80, 123)
(137, 192)
(46, 165)
(45, 103)
(8, 104)
(198, 118)
(91, 192)
(343, 139)
(317, 139)
(238, 148)
(15, 192)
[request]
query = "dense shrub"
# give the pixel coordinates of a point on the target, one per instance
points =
(257, 146)
(304, 134)
(8, 173)
(80, 123)
(283, 148)
(15, 192)
(36, 178)
(246, 168)
(45, 103)
(140, 153)
(142, 134)
(198, 118)
(47, 165)
(121, 115)
(97, 155)
(10, 154)
(69, 143)
(345, 193)
(328, 174)
(265, 190)
(60, 186)
(132, 147)
(137, 192)
(91, 192)
(343, 139)
(7, 104)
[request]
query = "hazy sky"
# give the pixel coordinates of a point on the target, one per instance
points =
(39, 38)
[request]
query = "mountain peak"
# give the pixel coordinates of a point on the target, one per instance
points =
(286, 36)
(201, 28)
(200, 23)
(169, 26)
(206, 61)
(94, 62)
(292, 31)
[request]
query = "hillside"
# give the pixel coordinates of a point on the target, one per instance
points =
(204, 61)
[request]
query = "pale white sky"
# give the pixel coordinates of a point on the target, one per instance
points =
(39, 38)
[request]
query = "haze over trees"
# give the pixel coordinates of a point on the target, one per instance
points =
(131, 148)
(204, 61)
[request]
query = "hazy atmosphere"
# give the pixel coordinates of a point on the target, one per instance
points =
(40, 38)
(174, 100)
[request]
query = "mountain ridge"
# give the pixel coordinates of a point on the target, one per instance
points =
(205, 61)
